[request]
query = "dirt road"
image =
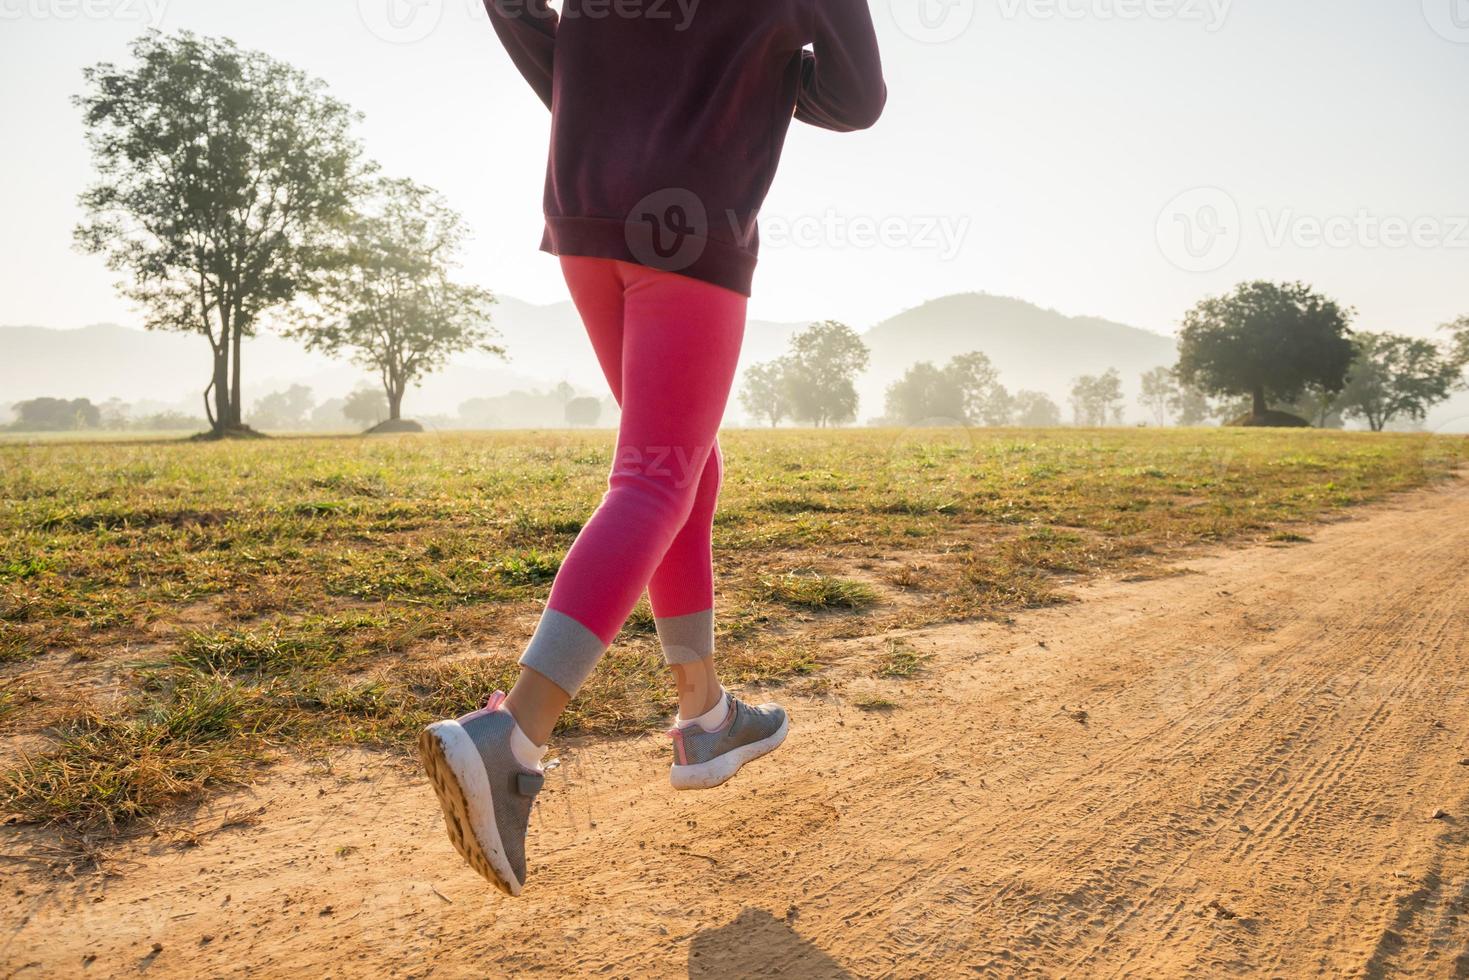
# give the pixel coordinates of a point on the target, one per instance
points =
(1227, 771)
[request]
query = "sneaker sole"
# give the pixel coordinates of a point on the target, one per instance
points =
(720, 770)
(457, 773)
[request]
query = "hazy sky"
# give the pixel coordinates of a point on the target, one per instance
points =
(1113, 157)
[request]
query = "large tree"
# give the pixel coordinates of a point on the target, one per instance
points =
(221, 175)
(390, 302)
(1395, 377)
(823, 364)
(1266, 341)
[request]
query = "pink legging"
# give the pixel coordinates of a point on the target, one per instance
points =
(668, 345)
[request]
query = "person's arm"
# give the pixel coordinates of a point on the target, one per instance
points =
(527, 28)
(841, 79)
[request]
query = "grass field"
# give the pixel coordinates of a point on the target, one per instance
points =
(174, 614)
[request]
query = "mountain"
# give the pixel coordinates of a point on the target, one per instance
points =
(1033, 348)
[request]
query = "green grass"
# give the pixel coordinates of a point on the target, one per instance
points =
(205, 605)
(810, 590)
(900, 661)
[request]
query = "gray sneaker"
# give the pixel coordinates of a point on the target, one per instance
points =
(485, 793)
(703, 759)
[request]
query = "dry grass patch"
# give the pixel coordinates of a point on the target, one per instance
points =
(814, 591)
(201, 732)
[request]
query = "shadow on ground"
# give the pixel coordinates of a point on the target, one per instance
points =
(757, 944)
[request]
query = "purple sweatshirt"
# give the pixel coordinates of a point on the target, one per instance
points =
(668, 117)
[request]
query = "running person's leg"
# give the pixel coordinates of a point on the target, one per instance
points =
(680, 345)
(682, 596)
(596, 287)
(682, 587)
(715, 734)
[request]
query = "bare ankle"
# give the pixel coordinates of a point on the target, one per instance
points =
(699, 690)
(536, 703)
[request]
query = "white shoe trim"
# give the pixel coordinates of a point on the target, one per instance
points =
(720, 769)
(468, 768)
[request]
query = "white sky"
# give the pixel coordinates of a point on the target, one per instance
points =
(1047, 140)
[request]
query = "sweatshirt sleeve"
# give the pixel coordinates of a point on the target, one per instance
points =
(527, 28)
(841, 79)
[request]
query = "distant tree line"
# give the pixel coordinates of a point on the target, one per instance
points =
(296, 409)
(80, 415)
(1262, 345)
(560, 406)
(55, 415)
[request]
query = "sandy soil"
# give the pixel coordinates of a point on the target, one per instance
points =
(1234, 770)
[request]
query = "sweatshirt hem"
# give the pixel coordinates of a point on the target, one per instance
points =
(694, 256)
